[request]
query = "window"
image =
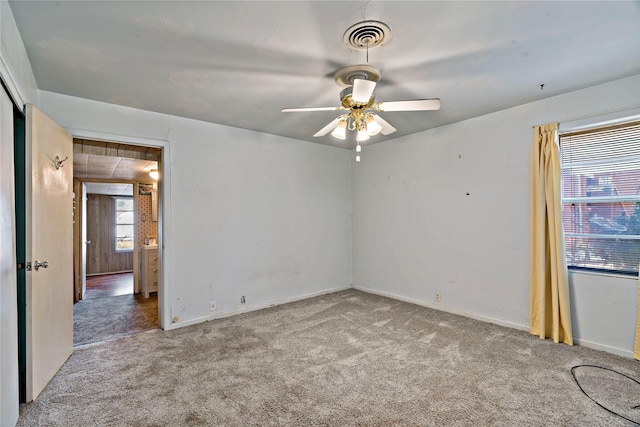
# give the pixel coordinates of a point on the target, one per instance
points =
(124, 224)
(601, 198)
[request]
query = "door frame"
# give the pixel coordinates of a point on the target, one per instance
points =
(80, 234)
(164, 213)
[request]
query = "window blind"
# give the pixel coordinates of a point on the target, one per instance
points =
(601, 198)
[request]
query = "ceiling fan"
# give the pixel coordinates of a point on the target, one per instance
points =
(360, 106)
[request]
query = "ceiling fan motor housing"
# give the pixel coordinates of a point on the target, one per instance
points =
(345, 76)
(349, 103)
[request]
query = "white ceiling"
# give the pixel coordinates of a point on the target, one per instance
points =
(238, 63)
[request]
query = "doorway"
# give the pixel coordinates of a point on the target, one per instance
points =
(115, 222)
(33, 128)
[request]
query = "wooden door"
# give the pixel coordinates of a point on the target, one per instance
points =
(49, 238)
(102, 255)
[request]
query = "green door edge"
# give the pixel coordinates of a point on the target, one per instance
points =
(20, 208)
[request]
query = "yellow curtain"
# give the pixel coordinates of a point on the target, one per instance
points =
(636, 345)
(549, 309)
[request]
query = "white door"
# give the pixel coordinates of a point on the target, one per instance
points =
(8, 292)
(85, 242)
(49, 240)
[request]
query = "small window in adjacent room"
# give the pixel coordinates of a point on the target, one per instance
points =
(601, 198)
(124, 224)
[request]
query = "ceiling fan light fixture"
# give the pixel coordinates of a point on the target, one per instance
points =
(362, 90)
(340, 131)
(363, 135)
(373, 128)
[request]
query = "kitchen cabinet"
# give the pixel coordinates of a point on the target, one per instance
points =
(149, 269)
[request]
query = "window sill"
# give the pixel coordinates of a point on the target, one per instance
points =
(604, 273)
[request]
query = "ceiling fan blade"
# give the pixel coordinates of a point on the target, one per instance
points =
(325, 130)
(413, 105)
(296, 110)
(362, 90)
(387, 129)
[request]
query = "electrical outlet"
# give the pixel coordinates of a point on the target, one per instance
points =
(437, 296)
(212, 306)
(242, 300)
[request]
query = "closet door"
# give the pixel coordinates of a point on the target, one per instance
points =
(8, 278)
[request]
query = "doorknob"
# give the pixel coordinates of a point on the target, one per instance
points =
(87, 242)
(38, 264)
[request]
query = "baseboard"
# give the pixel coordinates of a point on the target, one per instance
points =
(500, 322)
(602, 347)
(435, 306)
(109, 273)
(247, 309)
(446, 308)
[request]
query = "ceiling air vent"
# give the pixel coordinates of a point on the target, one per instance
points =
(367, 34)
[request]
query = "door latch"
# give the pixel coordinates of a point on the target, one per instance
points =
(38, 264)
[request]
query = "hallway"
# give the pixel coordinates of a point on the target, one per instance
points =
(110, 310)
(109, 285)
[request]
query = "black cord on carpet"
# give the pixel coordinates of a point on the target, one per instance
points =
(597, 403)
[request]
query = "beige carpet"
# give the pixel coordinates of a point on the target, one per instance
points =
(107, 318)
(347, 358)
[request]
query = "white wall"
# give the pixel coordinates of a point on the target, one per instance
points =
(249, 214)
(603, 311)
(448, 210)
(256, 215)
(15, 68)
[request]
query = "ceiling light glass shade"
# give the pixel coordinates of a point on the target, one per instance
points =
(362, 90)
(373, 128)
(153, 173)
(357, 159)
(340, 131)
(358, 148)
(362, 134)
